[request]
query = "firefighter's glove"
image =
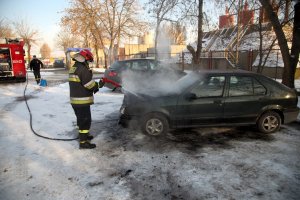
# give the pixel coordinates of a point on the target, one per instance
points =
(101, 83)
(96, 88)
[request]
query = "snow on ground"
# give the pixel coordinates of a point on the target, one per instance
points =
(206, 163)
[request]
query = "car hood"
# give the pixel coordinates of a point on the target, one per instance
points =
(148, 94)
(158, 90)
(161, 87)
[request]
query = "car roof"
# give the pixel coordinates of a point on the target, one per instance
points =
(136, 59)
(231, 71)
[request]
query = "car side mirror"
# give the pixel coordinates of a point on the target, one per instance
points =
(190, 96)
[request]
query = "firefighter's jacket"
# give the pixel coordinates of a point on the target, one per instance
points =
(81, 85)
(36, 64)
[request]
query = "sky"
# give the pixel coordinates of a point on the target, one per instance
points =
(43, 15)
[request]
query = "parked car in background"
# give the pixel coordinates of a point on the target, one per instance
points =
(58, 64)
(136, 69)
(212, 98)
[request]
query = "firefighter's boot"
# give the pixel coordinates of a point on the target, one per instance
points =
(84, 143)
(90, 137)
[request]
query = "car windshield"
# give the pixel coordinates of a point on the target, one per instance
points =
(167, 87)
(186, 81)
(115, 65)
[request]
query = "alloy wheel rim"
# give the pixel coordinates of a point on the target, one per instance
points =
(154, 127)
(270, 123)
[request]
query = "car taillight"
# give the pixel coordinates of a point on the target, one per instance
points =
(112, 74)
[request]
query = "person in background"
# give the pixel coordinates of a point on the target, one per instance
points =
(82, 89)
(35, 65)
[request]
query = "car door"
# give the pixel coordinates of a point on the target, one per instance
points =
(244, 99)
(203, 103)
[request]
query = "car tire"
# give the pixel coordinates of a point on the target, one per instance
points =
(155, 124)
(269, 122)
(23, 79)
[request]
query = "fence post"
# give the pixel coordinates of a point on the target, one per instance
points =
(182, 61)
(251, 61)
(210, 60)
(250, 58)
(276, 65)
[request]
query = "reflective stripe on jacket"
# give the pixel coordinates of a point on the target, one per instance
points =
(81, 84)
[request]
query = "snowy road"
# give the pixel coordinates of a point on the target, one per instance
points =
(206, 163)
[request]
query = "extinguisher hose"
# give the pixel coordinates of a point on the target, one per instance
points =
(30, 114)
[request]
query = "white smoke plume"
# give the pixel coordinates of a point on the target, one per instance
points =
(151, 83)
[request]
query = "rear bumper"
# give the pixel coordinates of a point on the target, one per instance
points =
(290, 115)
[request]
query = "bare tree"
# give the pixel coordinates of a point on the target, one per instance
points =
(162, 12)
(177, 33)
(29, 35)
(5, 30)
(198, 9)
(289, 70)
(80, 19)
(263, 47)
(120, 19)
(104, 22)
(65, 39)
(295, 50)
(45, 51)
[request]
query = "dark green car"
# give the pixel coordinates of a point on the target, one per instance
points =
(211, 98)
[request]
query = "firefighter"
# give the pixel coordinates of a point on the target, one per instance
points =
(35, 65)
(82, 88)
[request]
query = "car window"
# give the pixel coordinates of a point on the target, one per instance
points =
(259, 89)
(115, 65)
(211, 86)
(245, 86)
(139, 65)
(153, 64)
(120, 65)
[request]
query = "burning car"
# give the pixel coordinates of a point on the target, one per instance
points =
(211, 98)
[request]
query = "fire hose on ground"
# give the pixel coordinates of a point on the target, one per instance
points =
(31, 117)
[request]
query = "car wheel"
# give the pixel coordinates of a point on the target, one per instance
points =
(155, 125)
(269, 122)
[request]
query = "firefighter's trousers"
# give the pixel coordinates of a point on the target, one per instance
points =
(83, 116)
(37, 76)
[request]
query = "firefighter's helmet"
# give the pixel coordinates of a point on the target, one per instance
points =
(88, 56)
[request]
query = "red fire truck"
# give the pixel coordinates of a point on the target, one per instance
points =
(12, 63)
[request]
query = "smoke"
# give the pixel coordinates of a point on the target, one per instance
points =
(163, 81)
(163, 45)
(153, 82)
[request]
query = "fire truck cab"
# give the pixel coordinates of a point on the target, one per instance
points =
(12, 63)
